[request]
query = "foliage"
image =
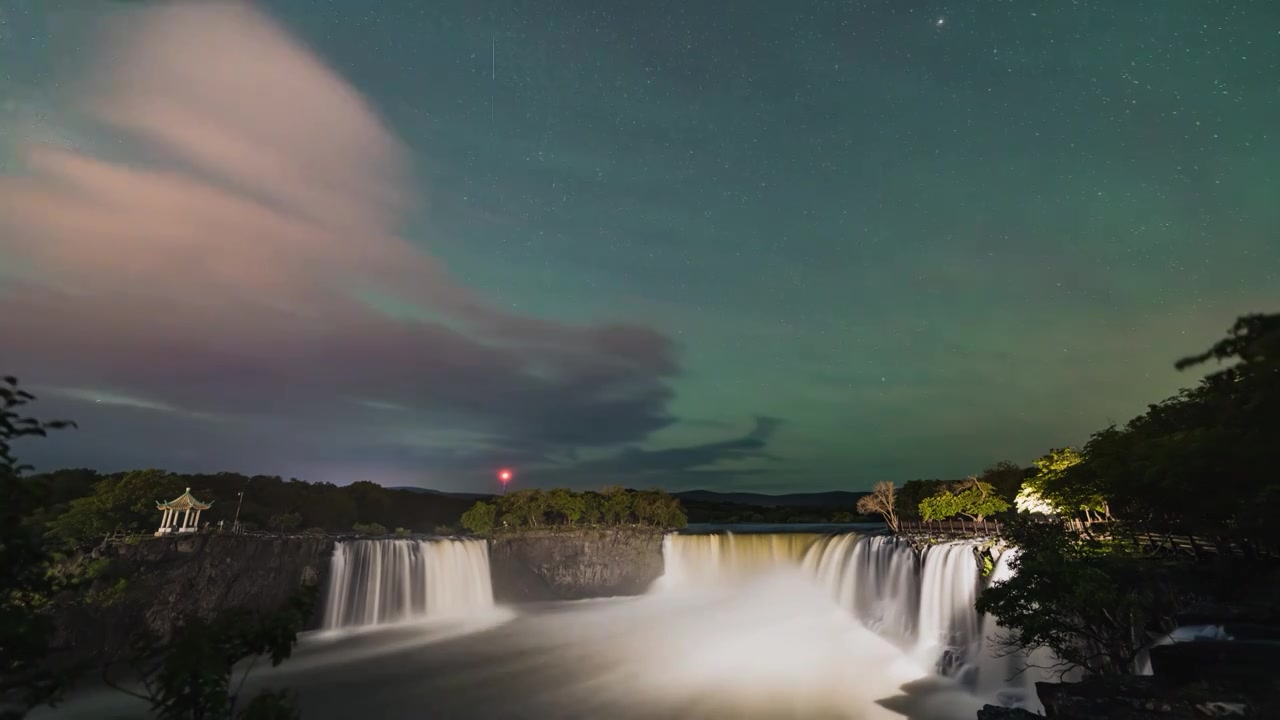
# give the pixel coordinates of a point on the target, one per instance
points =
(402, 533)
(1220, 434)
(881, 501)
(971, 498)
(26, 585)
(1006, 478)
(126, 503)
(285, 522)
(480, 518)
(566, 508)
(190, 675)
(912, 493)
(1058, 491)
(332, 508)
(369, 529)
(1087, 601)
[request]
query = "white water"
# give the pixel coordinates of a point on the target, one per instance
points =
(877, 578)
(948, 590)
(765, 636)
(921, 602)
(375, 582)
(691, 560)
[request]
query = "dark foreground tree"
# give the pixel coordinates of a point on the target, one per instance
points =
(193, 674)
(26, 586)
(1087, 601)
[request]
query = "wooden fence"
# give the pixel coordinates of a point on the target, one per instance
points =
(955, 527)
(1156, 542)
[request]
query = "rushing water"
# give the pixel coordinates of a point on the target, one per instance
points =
(374, 582)
(923, 602)
(741, 626)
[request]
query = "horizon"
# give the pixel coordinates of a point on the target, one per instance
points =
(418, 245)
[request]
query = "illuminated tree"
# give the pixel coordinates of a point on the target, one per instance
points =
(881, 501)
(971, 498)
(1056, 490)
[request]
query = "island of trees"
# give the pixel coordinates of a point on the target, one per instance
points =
(614, 506)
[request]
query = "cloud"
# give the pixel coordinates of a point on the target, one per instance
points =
(686, 466)
(241, 263)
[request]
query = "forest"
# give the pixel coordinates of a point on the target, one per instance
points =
(614, 506)
(81, 506)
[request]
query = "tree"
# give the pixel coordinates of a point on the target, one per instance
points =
(971, 498)
(126, 503)
(26, 586)
(1085, 600)
(617, 506)
(1057, 490)
(480, 518)
(190, 675)
(1006, 478)
(567, 504)
(286, 522)
(910, 495)
(370, 529)
(881, 501)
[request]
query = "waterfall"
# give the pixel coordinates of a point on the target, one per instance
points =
(708, 559)
(877, 578)
(922, 601)
(948, 590)
(373, 582)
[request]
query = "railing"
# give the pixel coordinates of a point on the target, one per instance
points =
(1164, 541)
(952, 526)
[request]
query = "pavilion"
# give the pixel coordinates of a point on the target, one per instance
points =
(177, 516)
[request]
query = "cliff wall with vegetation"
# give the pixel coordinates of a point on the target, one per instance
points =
(574, 563)
(156, 582)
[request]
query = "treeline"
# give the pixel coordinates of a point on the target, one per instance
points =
(79, 506)
(563, 507)
(724, 513)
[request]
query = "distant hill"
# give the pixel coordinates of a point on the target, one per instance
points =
(842, 499)
(430, 491)
(832, 499)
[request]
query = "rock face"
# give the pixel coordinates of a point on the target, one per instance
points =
(1149, 698)
(159, 581)
(537, 566)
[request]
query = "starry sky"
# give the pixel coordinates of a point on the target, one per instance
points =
(773, 247)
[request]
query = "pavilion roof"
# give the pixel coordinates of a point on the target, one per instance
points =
(185, 501)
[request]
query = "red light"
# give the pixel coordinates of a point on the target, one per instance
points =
(504, 475)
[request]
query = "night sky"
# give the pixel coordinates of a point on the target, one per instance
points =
(752, 245)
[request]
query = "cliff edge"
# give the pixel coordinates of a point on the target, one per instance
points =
(157, 582)
(574, 563)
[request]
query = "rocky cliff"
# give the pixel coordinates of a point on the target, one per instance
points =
(542, 565)
(156, 582)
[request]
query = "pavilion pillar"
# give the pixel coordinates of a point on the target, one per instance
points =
(186, 517)
(196, 523)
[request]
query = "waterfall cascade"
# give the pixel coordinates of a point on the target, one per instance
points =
(374, 582)
(701, 559)
(922, 601)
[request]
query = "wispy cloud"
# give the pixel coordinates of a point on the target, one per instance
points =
(226, 269)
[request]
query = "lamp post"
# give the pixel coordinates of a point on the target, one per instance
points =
(235, 525)
(504, 477)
